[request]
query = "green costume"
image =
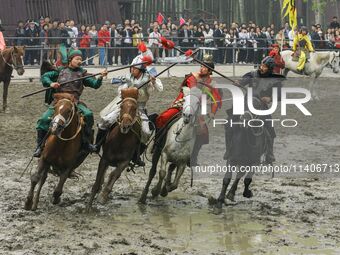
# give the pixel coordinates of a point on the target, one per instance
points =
(75, 88)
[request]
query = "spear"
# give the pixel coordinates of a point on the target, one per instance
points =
(146, 61)
(188, 54)
(167, 44)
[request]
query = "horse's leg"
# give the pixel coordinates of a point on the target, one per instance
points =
(226, 180)
(102, 167)
(114, 176)
(164, 191)
(35, 178)
(152, 173)
(5, 95)
(247, 181)
(179, 172)
(231, 193)
(312, 87)
(157, 189)
(59, 189)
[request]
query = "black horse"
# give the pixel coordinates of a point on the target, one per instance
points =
(245, 147)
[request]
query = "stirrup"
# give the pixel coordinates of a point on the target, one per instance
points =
(37, 152)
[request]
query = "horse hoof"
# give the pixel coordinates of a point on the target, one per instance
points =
(154, 193)
(28, 204)
(231, 197)
(102, 199)
(142, 201)
(248, 194)
(171, 187)
(56, 200)
(218, 208)
(164, 192)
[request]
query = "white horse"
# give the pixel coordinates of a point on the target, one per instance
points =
(314, 67)
(179, 143)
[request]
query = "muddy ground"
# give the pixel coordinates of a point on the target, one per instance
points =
(287, 215)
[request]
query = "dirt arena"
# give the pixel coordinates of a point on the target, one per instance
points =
(287, 215)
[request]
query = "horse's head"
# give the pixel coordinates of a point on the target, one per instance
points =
(334, 61)
(128, 109)
(17, 56)
(64, 111)
(191, 105)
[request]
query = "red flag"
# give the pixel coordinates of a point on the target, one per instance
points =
(181, 21)
(160, 18)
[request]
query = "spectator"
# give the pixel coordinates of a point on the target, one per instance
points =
(103, 43)
(219, 41)
(165, 33)
(174, 38)
(111, 49)
(93, 43)
(184, 37)
(74, 34)
(334, 24)
(208, 36)
(32, 41)
(242, 43)
(315, 38)
(337, 39)
(54, 35)
(64, 43)
(261, 44)
(20, 34)
(230, 42)
(154, 42)
(44, 41)
(137, 38)
(280, 38)
(127, 44)
(84, 43)
(2, 40)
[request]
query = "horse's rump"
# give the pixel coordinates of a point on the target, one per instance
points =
(129, 93)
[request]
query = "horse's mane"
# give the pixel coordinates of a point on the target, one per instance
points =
(59, 96)
(130, 92)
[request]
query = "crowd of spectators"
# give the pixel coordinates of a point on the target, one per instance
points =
(117, 43)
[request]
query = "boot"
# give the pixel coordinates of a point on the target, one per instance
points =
(100, 139)
(137, 156)
(270, 158)
(40, 139)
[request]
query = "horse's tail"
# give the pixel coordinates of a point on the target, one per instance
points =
(46, 66)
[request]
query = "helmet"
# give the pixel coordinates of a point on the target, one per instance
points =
(269, 62)
(208, 60)
(73, 53)
(137, 60)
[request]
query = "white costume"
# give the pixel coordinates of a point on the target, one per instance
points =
(110, 113)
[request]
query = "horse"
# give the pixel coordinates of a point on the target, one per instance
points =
(119, 146)
(62, 149)
(11, 58)
(248, 146)
(314, 67)
(178, 146)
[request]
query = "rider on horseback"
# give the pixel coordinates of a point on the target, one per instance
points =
(61, 75)
(263, 90)
(138, 76)
(202, 80)
(302, 46)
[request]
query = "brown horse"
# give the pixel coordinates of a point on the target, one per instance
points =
(119, 146)
(62, 150)
(11, 58)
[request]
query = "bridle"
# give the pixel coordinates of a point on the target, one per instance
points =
(67, 122)
(126, 115)
(14, 63)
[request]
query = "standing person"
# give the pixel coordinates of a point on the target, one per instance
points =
(174, 38)
(2, 39)
(93, 43)
(314, 36)
(154, 42)
(261, 45)
(337, 39)
(32, 41)
(230, 42)
(127, 44)
(103, 42)
(165, 33)
(184, 37)
(84, 43)
(44, 41)
(137, 38)
(208, 34)
(20, 34)
(199, 37)
(334, 24)
(242, 43)
(54, 35)
(219, 43)
(64, 44)
(119, 43)
(75, 33)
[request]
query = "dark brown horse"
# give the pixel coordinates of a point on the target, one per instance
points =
(62, 150)
(119, 146)
(11, 58)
